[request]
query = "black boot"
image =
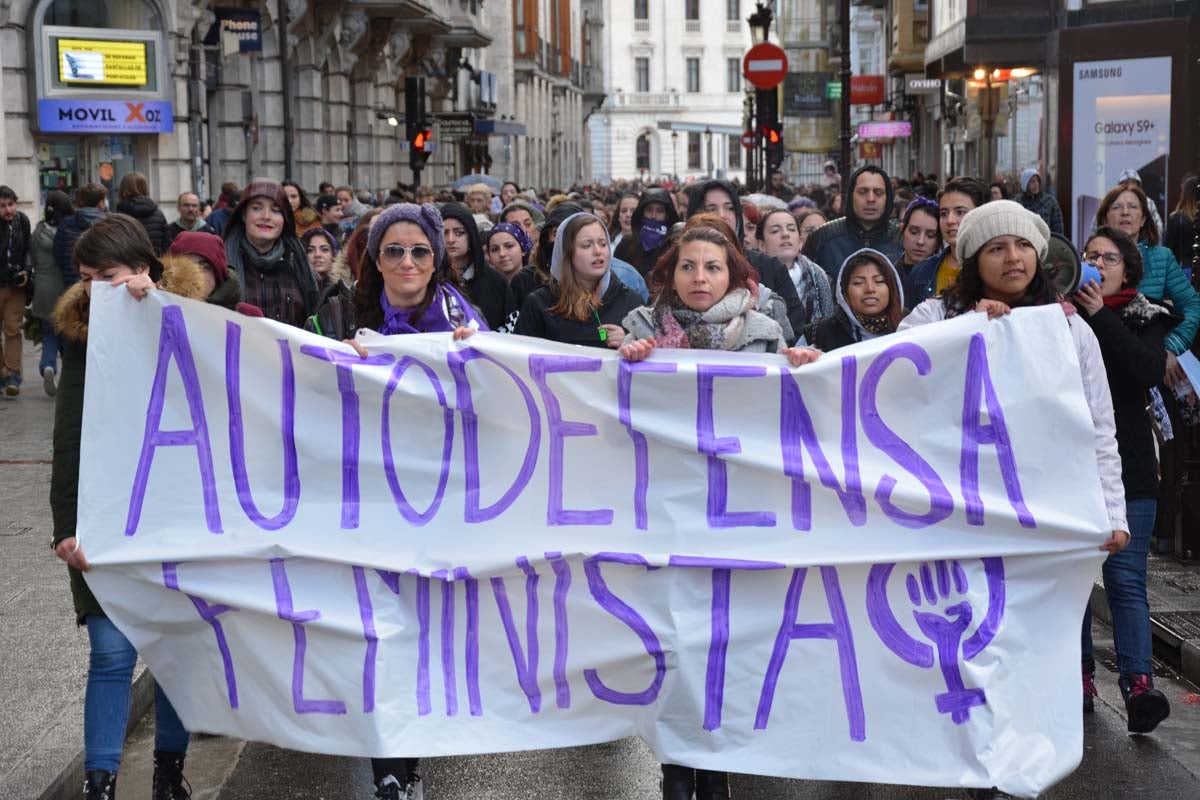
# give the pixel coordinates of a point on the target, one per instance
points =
(711, 785)
(100, 785)
(678, 783)
(168, 777)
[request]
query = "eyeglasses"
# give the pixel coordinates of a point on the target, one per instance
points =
(1109, 259)
(392, 254)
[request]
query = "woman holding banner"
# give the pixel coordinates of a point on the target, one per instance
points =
(115, 250)
(1131, 330)
(704, 299)
(1001, 247)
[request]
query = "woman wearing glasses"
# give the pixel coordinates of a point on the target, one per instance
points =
(1126, 208)
(1131, 330)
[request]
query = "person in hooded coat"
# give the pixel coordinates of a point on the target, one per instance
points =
(133, 198)
(771, 272)
(652, 220)
(207, 251)
(584, 304)
(486, 289)
(870, 302)
(262, 248)
(48, 283)
(867, 223)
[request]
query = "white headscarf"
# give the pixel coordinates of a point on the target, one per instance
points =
(556, 257)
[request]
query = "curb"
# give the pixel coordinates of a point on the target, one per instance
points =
(65, 785)
(1182, 654)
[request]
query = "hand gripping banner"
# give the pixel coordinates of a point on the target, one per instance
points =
(871, 568)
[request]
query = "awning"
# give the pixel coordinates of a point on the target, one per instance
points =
(499, 127)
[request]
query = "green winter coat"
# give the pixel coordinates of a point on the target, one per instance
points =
(71, 321)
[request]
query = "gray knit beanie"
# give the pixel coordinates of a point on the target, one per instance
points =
(1000, 218)
(426, 215)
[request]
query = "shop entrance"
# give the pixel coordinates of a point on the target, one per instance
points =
(66, 163)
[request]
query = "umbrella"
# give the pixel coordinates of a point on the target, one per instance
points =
(466, 181)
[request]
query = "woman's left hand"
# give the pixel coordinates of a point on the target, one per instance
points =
(139, 285)
(993, 308)
(1117, 542)
(1175, 374)
(799, 356)
(614, 336)
(463, 332)
(1089, 298)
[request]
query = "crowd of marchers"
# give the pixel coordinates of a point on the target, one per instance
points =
(796, 272)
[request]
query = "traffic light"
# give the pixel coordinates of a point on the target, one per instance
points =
(417, 125)
(770, 129)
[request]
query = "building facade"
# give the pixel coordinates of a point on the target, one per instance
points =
(194, 94)
(673, 90)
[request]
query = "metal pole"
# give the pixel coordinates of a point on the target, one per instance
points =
(845, 75)
(285, 88)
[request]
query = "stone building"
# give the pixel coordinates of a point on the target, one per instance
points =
(674, 89)
(193, 93)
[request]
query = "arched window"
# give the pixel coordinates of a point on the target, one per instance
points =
(122, 14)
(643, 151)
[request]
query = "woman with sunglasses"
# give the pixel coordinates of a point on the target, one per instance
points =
(1131, 330)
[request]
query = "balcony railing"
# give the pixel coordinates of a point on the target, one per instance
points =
(691, 26)
(734, 26)
(646, 100)
(803, 32)
(641, 26)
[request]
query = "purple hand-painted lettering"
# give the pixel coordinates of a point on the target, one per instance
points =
(624, 612)
(411, 515)
(979, 387)
(526, 661)
(209, 614)
(366, 613)
(449, 673)
(641, 458)
(714, 447)
(424, 693)
(562, 583)
(796, 429)
(541, 366)
(173, 345)
(457, 361)
(941, 504)
(838, 630)
(471, 585)
(931, 587)
(344, 364)
(287, 612)
(237, 441)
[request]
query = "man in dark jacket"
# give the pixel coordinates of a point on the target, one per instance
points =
(868, 223)
(650, 228)
(189, 218)
(719, 197)
(91, 202)
(14, 285)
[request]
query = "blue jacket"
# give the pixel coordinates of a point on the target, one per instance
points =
(921, 282)
(69, 231)
(1163, 279)
(629, 276)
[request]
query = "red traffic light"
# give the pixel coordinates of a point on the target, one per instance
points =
(770, 135)
(421, 139)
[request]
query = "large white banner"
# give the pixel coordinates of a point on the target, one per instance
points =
(1121, 119)
(872, 568)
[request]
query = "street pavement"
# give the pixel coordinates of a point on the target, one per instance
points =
(43, 658)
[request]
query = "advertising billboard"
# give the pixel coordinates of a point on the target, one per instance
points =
(118, 63)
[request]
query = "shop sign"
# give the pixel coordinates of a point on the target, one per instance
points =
(866, 90)
(870, 151)
(915, 84)
(89, 61)
(833, 90)
(885, 130)
(242, 25)
(456, 126)
(805, 94)
(105, 116)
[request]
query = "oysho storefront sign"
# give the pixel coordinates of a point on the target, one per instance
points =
(105, 116)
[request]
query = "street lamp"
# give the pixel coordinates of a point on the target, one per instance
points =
(674, 156)
(760, 23)
(708, 146)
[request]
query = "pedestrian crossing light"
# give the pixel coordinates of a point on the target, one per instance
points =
(772, 137)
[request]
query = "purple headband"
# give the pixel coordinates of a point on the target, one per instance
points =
(426, 215)
(515, 231)
(309, 235)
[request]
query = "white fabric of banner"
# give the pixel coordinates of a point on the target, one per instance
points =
(871, 568)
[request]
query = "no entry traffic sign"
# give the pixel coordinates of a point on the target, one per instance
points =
(748, 139)
(765, 65)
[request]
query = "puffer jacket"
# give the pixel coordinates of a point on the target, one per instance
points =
(71, 320)
(1162, 279)
(69, 231)
(147, 212)
(832, 243)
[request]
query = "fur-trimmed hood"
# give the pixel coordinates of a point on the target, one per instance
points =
(181, 276)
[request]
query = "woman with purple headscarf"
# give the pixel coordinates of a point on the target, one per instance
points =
(400, 287)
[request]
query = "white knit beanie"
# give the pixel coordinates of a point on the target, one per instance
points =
(1000, 218)
(1026, 176)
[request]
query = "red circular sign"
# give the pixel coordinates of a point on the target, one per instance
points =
(748, 140)
(765, 65)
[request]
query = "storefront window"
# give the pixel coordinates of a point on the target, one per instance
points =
(122, 14)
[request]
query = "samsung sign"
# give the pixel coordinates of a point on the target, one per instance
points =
(916, 83)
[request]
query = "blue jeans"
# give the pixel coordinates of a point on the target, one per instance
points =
(106, 704)
(1125, 585)
(50, 347)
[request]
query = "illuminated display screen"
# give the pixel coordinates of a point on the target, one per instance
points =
(83, 61)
